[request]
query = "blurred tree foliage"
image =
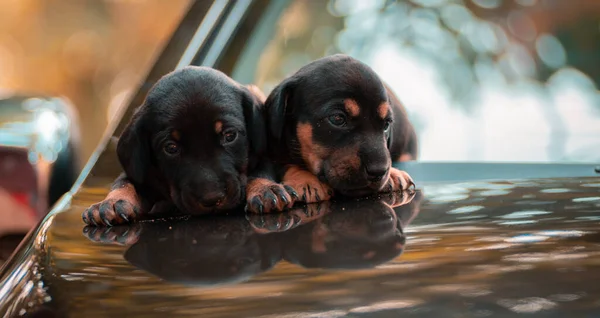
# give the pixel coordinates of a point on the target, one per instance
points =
(468, 42)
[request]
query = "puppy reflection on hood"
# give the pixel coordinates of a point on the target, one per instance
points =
(347, 235)
(202, 252)
(223, 250)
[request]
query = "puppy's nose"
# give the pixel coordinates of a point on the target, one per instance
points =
(212, 199)
(376, 173)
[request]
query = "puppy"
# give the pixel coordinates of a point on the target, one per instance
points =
(189, 145)
(332, 127)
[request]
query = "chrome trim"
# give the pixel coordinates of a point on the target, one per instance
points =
(206, 27)
(226, 31)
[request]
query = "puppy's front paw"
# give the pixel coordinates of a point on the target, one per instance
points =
(307, 185)
(121, 205)
(265, 196)
(398, 181)
(111, 212)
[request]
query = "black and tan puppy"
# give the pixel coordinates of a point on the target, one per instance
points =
(190, 144)
(333, 127)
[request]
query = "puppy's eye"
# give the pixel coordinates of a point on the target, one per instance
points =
(171, 148)
(229, 136)
(337, 120)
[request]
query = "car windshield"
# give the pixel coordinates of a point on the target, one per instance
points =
(482, 80)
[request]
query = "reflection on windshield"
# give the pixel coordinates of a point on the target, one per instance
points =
(229, 249)
(481, 80)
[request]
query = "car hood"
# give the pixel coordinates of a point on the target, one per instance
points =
(477, 249)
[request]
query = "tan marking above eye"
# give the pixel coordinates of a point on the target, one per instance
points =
(352, 107)
(218, 127)
(383, 110)
(176, 135)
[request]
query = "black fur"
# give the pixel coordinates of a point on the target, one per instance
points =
(207, 170)
(317, 91)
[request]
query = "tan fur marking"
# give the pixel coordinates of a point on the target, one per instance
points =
(345, 162)
(127, 193)
(218, 127)
(256, 187)
(260, 188)
(312, 153)
(383, 110)
(176, 135)
(352, 107)
(299, 179)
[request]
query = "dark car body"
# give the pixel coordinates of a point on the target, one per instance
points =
(477, 240)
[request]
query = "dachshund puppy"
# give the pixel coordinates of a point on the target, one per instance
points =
(332, 127)
(189, 145)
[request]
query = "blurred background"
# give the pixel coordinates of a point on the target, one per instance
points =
(92, 52)
(482, 80)
(65, 68)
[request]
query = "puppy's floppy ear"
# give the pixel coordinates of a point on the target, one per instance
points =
(253, 105)
(133, 148)
(277, 107)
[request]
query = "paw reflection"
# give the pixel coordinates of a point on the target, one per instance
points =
(232, 249)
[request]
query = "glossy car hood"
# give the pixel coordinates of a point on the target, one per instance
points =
(475, 249)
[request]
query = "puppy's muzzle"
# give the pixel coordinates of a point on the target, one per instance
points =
(376, 173)
(213, 199)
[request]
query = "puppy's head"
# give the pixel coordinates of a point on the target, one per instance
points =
(191, 140)
(334, 115)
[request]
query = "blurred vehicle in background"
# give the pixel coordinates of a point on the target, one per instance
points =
(39, 161)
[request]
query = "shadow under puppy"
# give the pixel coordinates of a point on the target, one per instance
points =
(190, 144)
(332, 127)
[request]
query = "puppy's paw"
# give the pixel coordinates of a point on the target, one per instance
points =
(120, 206)
(398, 181)
(111, 212)
(265, 196)
(307, 185)
(118, 235)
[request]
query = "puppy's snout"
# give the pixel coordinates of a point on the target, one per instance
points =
(376, 172)
(212, 199)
